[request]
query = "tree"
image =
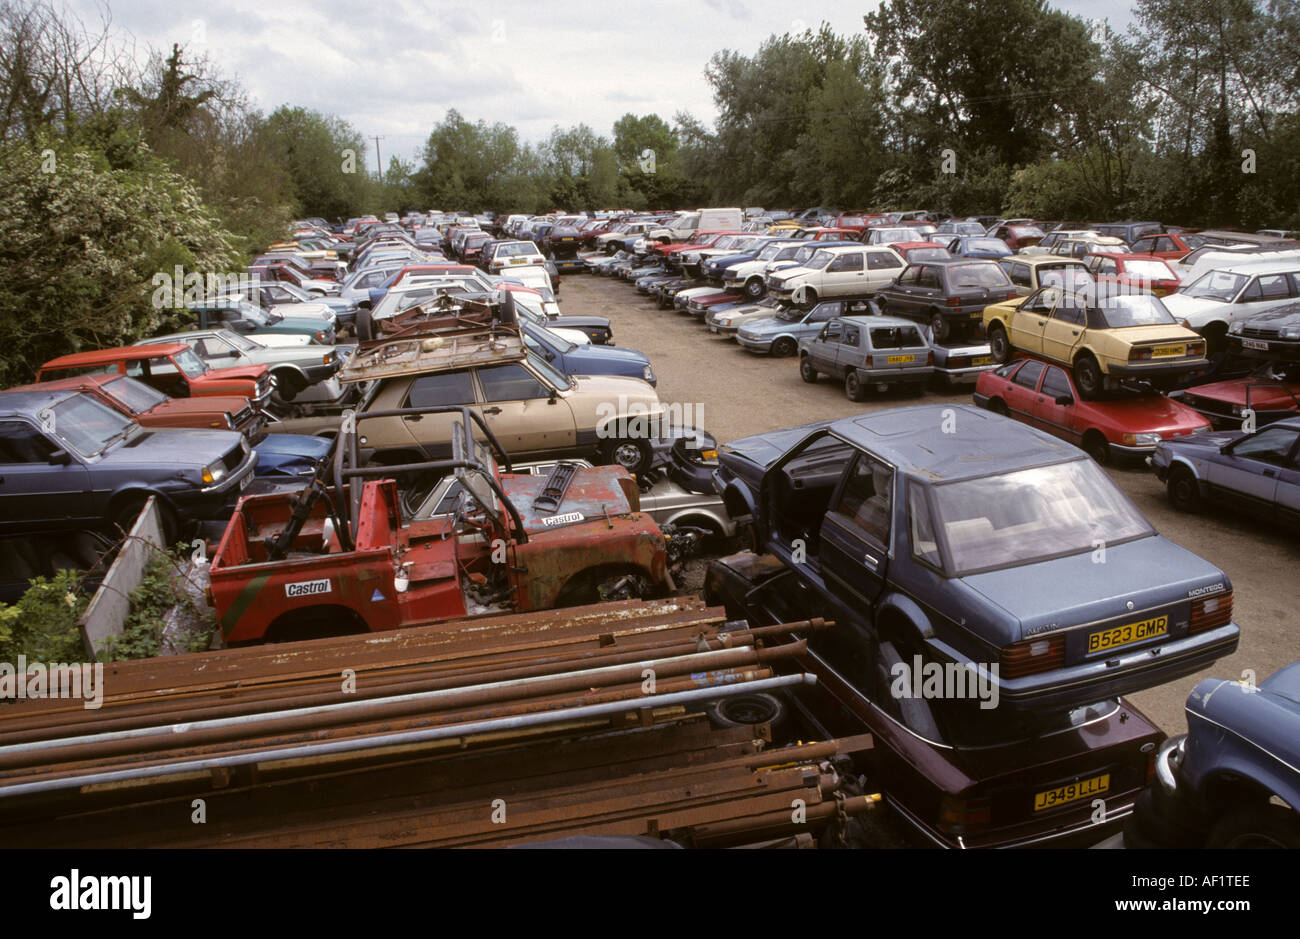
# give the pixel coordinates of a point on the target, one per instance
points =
(323, 158)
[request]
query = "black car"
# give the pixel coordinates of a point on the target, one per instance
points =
(68, 461)
(948, 295)
(1273, 334)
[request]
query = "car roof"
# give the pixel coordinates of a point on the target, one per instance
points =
(1034, 260)
(424, 353)
(34, 401)
(104, 356)
(974, 442)
(870, 321)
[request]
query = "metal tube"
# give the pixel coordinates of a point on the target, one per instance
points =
(418, 736)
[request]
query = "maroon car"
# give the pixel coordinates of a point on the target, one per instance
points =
(1225, 404)
(1043, 395)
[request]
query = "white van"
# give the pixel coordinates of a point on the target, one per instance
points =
(687, 224)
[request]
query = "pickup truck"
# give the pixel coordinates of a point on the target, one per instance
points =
(339, 555)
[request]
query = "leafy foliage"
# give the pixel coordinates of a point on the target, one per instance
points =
(42, 624)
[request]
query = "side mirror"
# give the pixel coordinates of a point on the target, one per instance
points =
(555, 395)
(60, 458)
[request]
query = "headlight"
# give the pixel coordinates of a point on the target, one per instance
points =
(214, 472)
(1235, 328)
(1142, 440)
(1290, 332)
(648, 373)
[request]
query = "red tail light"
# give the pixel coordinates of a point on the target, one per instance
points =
(954, 301)
(1211, 613)
(1138, 355)
(929, 358)
(1030, 656)
(963, 816)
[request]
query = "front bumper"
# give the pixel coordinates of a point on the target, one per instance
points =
(752, 344)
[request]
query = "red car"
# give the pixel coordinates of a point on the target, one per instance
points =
(1167, 245)
(1043, 395)
(1018, 237)
(1225, 403)
(172, 368)
(1144, 273)
(151, 408)
(914, 252)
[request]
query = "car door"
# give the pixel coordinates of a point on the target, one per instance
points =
(901, 295)
(1055, 418)
(34, 491)
(855, 534)
(1063, 330)
(849, 352)
(1262, 293)
(1028, 322)
(1248, 472)
(1023, 389)
(822, 349)
(429, 432)
(821, 313)
(846, 274)
(526, 414)
(1288, 486)
(883, 266)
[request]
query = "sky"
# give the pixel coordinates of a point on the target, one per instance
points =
(393, 68)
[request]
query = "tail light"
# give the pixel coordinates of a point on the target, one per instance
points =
(954, 301)
(1196, 348)
(1210, 613)
(961, 816)
(1030, 656)
(1139, 355)
(929, 358)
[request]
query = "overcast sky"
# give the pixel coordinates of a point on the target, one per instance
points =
(394, 67)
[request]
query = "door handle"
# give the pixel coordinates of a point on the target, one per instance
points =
(412, 417)
(1074, 332)
(1266, 473)
(871, 559)
(492, 410)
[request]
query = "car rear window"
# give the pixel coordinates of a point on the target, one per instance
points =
(895, 337)
(977, 275)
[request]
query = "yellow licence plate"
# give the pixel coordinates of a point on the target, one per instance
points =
(1072, 792)
(519, 260)
(1159, 351)
(1128, 633)
(900, 359)
(982, 360)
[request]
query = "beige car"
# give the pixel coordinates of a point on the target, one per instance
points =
(533, 410)
(1028, 272)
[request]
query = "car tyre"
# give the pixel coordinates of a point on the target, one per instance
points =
(806, 370)
(1088, 377)
(754, 288)
(1256, 826)
(784, 347)
(999, 344)
(1097, 447)
(853, 389)
(126, 514)
(1184, 491)
(940, 327)
(635, 455)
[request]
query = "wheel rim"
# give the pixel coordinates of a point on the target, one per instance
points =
(627, 455)
(806, 368)
(754, 288)
(998, 341)
(783, 347)
(1087, 377)
(1183, 493)
(851, 385)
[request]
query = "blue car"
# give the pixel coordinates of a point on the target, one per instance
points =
(289, 454)
(574, 359)
(779, 334)
(970, 246)
(1256, 472)
(1233, 780)
(974, 543)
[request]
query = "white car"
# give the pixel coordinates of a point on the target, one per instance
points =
(1217, 299)
(512, 254)
(837, 271)
(749, 277)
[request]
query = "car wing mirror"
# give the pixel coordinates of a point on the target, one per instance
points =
(60, 458)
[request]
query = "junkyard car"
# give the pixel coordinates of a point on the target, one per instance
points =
(947, 295)
(1028, 272)
(1104, 337)
(779, 335)
(1232, 780)
(241, 316)
(970, 540)
(865, 351)
(1255, 472)
(836, 271)
(69, 461)
(1044, 396)
(1273, 335)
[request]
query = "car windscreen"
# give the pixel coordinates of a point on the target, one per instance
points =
(239, 342)
(1216, 285)
(818, 261)
(136, 395)
(1032, 515)
(987, 244)
(1148, 270)
(977, 275)
(87, 425)
(549, 371)
(1068, 276)
(928, 254)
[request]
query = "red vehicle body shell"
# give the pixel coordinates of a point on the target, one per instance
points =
(239, 380)
(1162, 287)
(207, 412)
(320, 582)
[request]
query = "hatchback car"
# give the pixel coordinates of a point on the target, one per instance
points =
(866, 351)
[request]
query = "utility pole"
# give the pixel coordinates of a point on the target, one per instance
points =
(379, 164)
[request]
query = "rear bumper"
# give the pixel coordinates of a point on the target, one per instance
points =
(1157, 369)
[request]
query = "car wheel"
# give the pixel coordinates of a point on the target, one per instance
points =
(940, 328)
(806, 370)
(1184, 491)
(288, 385)
(852, 386)
(634, 455)
(754, 288)
(127, 513)
(1087, 374)
(1096, 446)
(784, 347)
(1257, 826)
(999, 344)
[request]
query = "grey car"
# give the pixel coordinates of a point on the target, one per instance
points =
(863, 351)
(779, 335)
(68, 461)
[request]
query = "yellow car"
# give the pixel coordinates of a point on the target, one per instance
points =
(1107, 336)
